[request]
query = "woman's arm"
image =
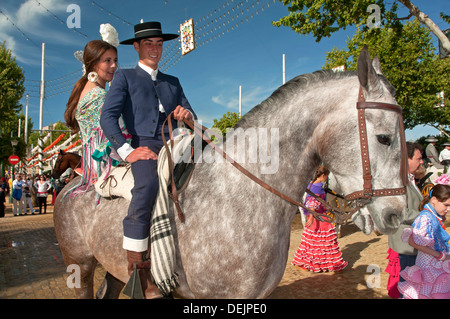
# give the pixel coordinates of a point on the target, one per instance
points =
(426, 250)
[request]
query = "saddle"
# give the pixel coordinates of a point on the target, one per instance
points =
(118, 182)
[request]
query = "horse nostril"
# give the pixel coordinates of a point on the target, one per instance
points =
(392, 220)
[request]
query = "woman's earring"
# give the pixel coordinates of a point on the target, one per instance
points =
(92, 77)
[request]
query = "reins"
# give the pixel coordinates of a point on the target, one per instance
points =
(340, 215)
(197, 128)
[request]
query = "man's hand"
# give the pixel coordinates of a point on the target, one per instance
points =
(141, 153)
(181, 114)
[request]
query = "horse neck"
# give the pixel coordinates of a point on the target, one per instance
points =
(74, 160)
(299, 118)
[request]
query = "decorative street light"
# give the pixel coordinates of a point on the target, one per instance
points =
(14, 143)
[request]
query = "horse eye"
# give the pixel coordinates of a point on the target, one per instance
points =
(384, 139)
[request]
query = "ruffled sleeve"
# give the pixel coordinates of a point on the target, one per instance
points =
(421, 231)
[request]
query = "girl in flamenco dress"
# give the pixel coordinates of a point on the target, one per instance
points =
(429, 278)
(85, 104)
(319, 249)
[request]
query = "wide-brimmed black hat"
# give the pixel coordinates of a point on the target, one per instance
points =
(149, 30)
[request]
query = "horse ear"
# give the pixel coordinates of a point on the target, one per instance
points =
(61, 152)
(377, 65)
(367, 76)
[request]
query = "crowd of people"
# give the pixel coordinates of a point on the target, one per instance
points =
(418, 253)
(27, 193)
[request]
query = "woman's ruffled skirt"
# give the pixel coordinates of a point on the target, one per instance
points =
(393, 269)
(319, 249)
(430, 283)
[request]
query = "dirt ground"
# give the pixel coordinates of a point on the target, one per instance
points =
(363, 278)
(34, 268)
(358, 250)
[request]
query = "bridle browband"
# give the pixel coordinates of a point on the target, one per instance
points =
(341, 215)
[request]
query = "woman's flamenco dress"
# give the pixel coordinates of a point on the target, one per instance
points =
(393, 269)
(97, 154)
(319, 249)
(429, 278)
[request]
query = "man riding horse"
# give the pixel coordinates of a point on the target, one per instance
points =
(144, 96)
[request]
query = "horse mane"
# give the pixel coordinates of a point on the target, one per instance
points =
(72, 153)
(298, 84)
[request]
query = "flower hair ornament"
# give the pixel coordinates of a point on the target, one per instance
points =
(109, 34)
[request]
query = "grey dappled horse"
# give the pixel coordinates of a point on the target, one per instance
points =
(235, 239)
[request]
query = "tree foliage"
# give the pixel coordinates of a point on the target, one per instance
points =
(321, 18)
(408, 61)
(227, 121)
(11, 91)
(11, 85)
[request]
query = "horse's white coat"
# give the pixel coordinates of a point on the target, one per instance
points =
(235, 239)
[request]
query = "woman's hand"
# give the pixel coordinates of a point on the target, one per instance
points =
(309, 221)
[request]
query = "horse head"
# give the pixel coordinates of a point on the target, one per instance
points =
(385, 166)
(64, 161)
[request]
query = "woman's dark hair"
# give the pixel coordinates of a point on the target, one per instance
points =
(320, 171)
(440, 191)
(91, 55)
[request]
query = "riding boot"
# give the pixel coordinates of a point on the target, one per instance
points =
(136, 260)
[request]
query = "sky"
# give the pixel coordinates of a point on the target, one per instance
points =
(237, 45)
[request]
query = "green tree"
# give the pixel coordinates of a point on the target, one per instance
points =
(408, 61)
(321, 18)
(227, 121)
(11, 91)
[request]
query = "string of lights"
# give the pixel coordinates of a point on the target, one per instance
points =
(59, 19)
(110, 13)
(215, 24)
(18, 29)
(225, 18)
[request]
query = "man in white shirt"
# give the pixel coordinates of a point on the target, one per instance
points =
(144, 97)
(444, 156)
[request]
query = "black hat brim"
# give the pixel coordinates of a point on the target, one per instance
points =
(165, 37)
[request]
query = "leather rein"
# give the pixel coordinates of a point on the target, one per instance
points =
(340, 215)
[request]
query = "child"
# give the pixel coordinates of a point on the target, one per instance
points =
(319, 249)
(429, 278)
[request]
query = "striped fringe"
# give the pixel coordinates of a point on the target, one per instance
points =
(162, 243)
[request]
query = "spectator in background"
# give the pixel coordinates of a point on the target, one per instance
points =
(444, 156)
(42, 187)
(26, 195)
(400, 254)
(17, 186)
(4, 189)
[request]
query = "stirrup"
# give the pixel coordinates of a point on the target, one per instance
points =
(133, 289)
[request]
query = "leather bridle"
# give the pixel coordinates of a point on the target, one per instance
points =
(368, 192)
(361, 197)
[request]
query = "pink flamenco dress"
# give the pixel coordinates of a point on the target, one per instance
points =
(393, 269)
(429, 278)
(319, 249)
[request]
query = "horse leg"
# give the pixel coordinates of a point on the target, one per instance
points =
(110, 288)
(83, 276)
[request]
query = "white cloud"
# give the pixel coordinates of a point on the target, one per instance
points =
(33, 19)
